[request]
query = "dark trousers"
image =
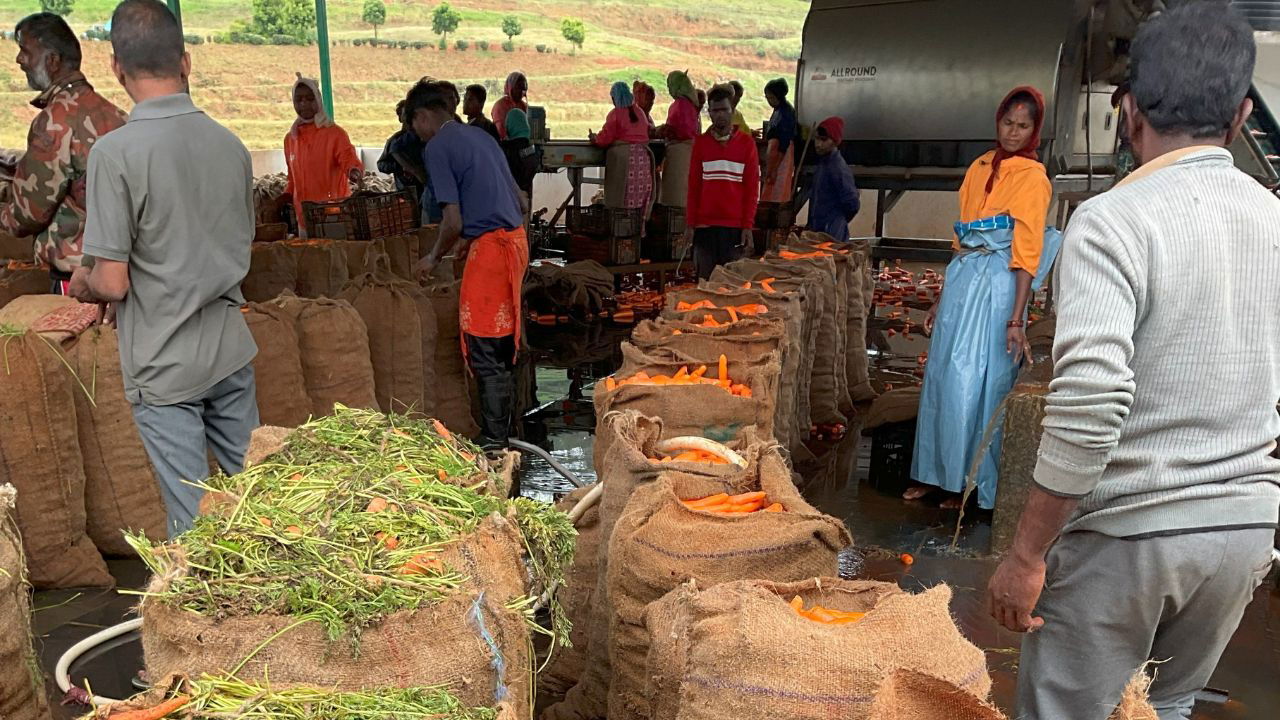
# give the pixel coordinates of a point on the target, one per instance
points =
(492, 361)
(714, 246)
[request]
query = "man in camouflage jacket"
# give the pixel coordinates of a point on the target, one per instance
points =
(47, 194)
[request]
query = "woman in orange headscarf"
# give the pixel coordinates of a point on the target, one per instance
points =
(1003, 253)
(321, 160)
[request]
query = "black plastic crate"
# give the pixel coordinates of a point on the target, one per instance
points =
(892, 446)
(366, 216)
(592, 220)
(606, 251)
(770, 216)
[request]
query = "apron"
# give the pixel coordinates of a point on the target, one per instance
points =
(969, 371)
(675, 174)
(489, 302)
(780, 190)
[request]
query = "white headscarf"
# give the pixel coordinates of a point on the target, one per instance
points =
(322, 119)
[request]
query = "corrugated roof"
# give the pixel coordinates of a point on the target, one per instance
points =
(1262, 14)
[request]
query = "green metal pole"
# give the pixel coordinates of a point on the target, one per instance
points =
(322, 39)
(175, 7)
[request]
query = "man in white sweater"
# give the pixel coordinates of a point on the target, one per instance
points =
(1157, 492)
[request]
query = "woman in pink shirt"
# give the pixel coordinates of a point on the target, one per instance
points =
(679, 131)
(628, 175)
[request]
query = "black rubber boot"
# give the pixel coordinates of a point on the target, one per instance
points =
(497, 398)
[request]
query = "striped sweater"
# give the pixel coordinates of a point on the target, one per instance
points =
(724, 181)
(1162, 416)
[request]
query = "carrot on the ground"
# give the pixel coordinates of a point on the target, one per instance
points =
(376, 505)
(153, 713)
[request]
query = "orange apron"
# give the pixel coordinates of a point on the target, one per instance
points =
(489, 303)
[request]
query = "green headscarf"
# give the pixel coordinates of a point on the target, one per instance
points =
(680, 86)
(517, 124)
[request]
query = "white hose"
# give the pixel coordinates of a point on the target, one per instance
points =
(61, 673)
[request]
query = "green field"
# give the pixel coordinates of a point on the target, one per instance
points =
(246, 87)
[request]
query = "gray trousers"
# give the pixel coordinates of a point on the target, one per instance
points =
(1110, 605)
(179, 438)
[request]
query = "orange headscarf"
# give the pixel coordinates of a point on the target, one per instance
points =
(1029, 150)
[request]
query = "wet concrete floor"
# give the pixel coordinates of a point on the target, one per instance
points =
(557, 391)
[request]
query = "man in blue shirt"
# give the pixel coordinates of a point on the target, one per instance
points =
(835, 200)
(482, 209)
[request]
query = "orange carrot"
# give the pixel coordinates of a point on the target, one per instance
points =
(699, 372)
(153, 713)
(796, 603)
(422, 564)
(390, 541)
(733, 314)
(907, 559)
(610, 384)
(442, 430)
(747, 497)
(776, 507)
(376, 505)
(724, 368)
(265, 521)
(709, 500)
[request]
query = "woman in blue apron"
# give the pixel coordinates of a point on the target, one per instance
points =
(1003, 254)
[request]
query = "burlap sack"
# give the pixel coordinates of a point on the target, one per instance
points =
(395, 336)
(852, 262)
(357, 253)
(892, 407)
(121, 491)
(809, 297)
(322, 268)
(751, 340)
(426, 405)
(277, 368)
(16, 282)
(402, 251)
(825, 400)
(21, 694)
(838, 267)
(576, 596)
(264, 441)
(912, 695)
(439, 644)
(23, 312)
(40, 456)
(273, 268)
(674, 191)
(739, 644)
(334, 346)
(453, 394)
(658, 543)
(625, 442)
(703, 410)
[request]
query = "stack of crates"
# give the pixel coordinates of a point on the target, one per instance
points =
(664, 239)
(610, 236)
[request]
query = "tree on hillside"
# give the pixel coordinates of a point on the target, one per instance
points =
(511, 27)
(57, 7)
(444, 20)
(375, 14)
(574, 31)
(294, 18)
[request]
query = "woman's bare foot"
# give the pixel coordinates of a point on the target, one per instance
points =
(952, 503)
(917, 492)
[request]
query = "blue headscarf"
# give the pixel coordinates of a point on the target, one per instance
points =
(621, 94)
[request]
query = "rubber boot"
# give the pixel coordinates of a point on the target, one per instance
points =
(497, 398)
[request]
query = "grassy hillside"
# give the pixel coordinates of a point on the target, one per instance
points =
(246, 87)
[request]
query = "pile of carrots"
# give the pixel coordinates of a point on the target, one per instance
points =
(790, 255)
(897, 287)
(823, 615)
(683, 376)
(766, 284)
(734, 505)
(735, 311)
(693, 456)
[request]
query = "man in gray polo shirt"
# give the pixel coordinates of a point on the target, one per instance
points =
(169, 226)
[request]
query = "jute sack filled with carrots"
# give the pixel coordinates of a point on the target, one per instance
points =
(21, 694)
(277, 368)
(40, 455)
(451, 395)
(567, 665)
(852, 262)
(735, 649)
(912, 695)
(681, 528)
(750, 339)
(387, 306)
(321, 269)
(626, 458)
(330, 562)
(333, 344)
(120, 491)
(718, 403)
(823, 393)
(273, 268)
(809, 299)
(835, 279)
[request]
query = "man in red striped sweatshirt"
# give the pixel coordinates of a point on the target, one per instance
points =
(724, 187)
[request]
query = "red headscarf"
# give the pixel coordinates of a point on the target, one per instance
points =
(1030, 150)
(644, 94)
(834, 128)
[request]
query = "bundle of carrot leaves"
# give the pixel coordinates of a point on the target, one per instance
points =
(345, 527)
(213, 697)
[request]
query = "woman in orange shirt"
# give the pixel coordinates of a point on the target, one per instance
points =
(321, 160)
(978, 325)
